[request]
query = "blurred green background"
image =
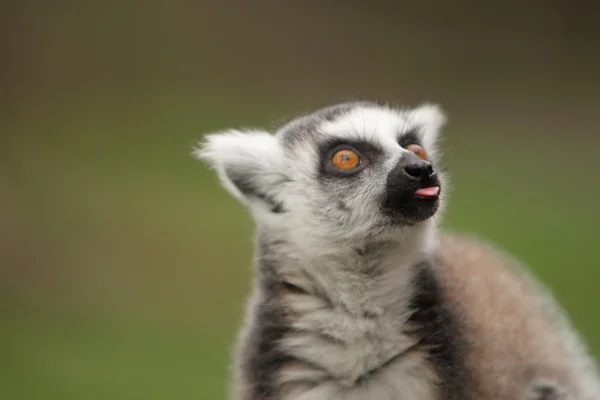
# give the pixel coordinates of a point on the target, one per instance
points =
(123, 264)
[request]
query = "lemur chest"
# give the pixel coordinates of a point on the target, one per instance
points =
(338, 354)
(406, 379)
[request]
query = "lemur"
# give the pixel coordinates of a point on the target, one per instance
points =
(357, 293)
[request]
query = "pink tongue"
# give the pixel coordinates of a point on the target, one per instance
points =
(428, 192)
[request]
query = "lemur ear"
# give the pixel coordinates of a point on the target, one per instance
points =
(429, 118)
(248, 163)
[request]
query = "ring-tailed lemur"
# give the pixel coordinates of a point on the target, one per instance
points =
(357, 294)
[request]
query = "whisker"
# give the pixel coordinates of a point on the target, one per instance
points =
(375, 128)
(352, 125)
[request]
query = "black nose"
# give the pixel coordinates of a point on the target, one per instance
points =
(419, 170)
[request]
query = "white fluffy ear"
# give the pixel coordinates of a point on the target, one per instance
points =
(429, 118)
(248, 163)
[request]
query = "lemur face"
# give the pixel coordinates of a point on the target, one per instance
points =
(351, 170)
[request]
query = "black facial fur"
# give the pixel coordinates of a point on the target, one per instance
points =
(439, 331)
(410, 137)
(400, 202)
(368, 152)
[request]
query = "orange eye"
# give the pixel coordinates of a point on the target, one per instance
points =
(345, 159)
(418, 150)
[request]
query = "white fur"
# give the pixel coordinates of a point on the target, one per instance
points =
(234, 151)
(382, 125)
(365, 336)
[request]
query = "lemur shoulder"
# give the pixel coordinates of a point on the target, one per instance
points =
(358, 295)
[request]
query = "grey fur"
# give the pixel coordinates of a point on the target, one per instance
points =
(355, 300)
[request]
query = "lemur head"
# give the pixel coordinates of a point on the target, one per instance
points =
(349, 172)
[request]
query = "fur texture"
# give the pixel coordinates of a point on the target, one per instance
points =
(358, 297)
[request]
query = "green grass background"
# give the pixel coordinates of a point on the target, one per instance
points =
(124, 266)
